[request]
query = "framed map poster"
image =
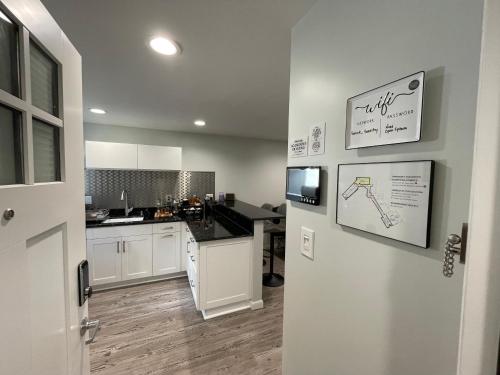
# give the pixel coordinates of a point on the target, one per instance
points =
(389, 114)
(391, 199)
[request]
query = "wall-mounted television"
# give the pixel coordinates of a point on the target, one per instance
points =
(303, 184)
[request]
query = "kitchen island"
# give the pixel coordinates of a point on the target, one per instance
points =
(221, 254)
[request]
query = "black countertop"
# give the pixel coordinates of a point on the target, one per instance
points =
(250, 211)
(216, 227)
(226, 220)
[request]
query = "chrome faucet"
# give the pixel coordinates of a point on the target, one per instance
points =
(125, 198)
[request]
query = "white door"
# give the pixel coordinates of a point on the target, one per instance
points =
(105, 260)
(480, 326)
(166, 251)
(137, 257)
(42, 228)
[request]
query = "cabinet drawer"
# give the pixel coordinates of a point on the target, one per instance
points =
(167, 227)
(119, 231)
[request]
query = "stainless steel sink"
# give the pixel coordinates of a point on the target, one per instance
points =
(123, 220)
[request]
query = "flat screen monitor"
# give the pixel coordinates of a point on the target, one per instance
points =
(303, 184)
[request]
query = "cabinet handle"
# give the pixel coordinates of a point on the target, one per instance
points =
(192, 283)
(118, 247)
(123, 245)
(167, 228)
(168, 235)
(192, 258)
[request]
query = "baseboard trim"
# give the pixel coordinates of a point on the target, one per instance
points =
(224, 310)
(129, 283)
(257, 305)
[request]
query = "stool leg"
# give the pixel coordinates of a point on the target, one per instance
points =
(271, 250)
(272, 279)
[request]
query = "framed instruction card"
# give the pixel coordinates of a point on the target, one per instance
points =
(386, 115)
(390, 199)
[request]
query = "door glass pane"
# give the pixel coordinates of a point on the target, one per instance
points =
(11, 155)
(46, 152)
(44, 80)
(9, 55)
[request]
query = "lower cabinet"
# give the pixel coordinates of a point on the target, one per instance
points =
(166, 253)
(131, 252)
(137, 257)
(105, 260)
(225, 273)
(193, 283)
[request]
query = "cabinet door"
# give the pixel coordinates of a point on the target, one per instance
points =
(193, 284)
(224, 275)
(166, 253)
(104, 256)
(184, 245)
(109, 155)
(159, 158)
(137, 257)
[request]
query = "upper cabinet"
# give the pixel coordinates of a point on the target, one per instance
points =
(108, 155)
(159, 158)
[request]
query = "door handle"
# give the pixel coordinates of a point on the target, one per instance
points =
(455, 245)
(90, 325)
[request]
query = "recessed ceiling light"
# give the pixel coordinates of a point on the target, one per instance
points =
(97, 111)
(164, 46)
(200, 123)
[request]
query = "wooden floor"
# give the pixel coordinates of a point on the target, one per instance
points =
(155, 329)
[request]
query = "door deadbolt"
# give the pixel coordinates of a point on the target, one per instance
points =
(8, 214)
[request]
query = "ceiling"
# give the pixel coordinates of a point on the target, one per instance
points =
(233, 71)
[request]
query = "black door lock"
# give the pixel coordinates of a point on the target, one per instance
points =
(84, 289)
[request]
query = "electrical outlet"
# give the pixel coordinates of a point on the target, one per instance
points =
(307, 242)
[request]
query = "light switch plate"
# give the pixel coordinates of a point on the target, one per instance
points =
(307, 242)
(88, 199)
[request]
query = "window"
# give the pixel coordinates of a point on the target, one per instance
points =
(9, 55)
(20, 154)
(46, 153)
(11, 153)
(44, 80)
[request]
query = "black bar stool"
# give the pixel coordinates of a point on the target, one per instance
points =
(272, 279)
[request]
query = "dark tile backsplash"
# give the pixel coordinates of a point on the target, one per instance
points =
(145, 187)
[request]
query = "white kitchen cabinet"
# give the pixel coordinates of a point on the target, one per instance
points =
(194, 284)
(109, 155)
(185, 237)
(105, 260)
(225, 275)
(137, 257)
(128, 252)
(166, 253)
(159, 158)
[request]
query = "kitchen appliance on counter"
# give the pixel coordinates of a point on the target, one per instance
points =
(192, 208)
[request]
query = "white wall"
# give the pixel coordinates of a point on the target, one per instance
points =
(253, 169)
(369, 305)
